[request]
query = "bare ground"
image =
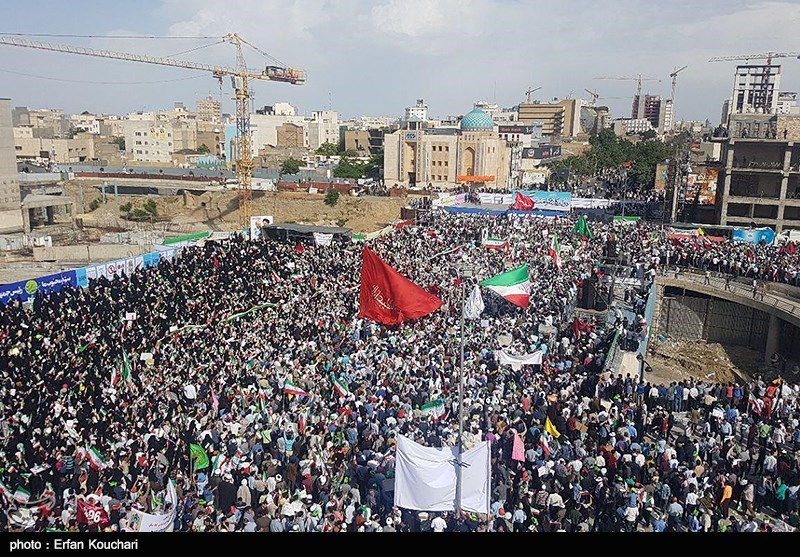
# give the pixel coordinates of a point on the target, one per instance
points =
(676, 360)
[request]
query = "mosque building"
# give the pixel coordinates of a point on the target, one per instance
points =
(419, 154)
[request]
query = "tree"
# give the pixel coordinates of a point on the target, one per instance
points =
(331, 198)
(649, 135)
(203, 149)
(120, 141)
(349, 169)
(350, 153)
(290, 166)
(328, 149)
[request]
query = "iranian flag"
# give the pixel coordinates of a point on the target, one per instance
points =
(96, 460)
(124, 371)
(340, 386)
(22, 495)
(514, 286)
(434, 408)
(555, 249)
(292, 389)
(496, 243)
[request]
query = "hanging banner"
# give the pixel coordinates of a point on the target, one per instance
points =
(27, 289)
(753, 235)
(141, 521)
(258, 223)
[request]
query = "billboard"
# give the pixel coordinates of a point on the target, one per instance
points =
(551, 200)
(541, 152)
(475, 179)
(257, 223)
(661, 177)
(753, 235)
(702, 183)
(27, 289)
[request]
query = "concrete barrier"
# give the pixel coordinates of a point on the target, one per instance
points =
(89, 253)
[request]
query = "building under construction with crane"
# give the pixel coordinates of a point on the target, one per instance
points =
(241, 77)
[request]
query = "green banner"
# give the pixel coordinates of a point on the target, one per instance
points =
(187, 238)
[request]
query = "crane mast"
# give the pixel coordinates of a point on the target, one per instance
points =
(240, 78)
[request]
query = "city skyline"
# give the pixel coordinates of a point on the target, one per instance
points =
(375, 58)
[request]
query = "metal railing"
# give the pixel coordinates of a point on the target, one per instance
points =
(735, 287)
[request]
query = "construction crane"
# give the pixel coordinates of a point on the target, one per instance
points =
(240, 76)
(595, 96)
(768, 56)
(674, 76)
(638, 79)
(530, 92)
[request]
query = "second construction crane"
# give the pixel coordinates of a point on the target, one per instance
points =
(240, 76)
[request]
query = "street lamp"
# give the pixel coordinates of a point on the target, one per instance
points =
(466, 270)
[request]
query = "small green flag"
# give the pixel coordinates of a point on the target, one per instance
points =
(199, 456)
(582, 228)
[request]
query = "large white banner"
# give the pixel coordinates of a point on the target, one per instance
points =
(425, 477)
(145, 522)
(516, 362)
(322, 239)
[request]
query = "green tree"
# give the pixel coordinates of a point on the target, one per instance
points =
(120, 141)
(203, 149)
(331, 198)
(290, 166)
(350, 153)
(349, 169)
(328, 149)
(150, 206)
(649, 135)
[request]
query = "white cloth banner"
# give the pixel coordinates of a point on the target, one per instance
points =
(425, 477)
(146, 522)
(516, 362)
(322, 239)
(474, 304)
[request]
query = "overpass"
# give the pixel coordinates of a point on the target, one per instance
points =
(771, 322)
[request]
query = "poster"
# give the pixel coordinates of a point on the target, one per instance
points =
(704, 184)
(661, 177)
(257, 223)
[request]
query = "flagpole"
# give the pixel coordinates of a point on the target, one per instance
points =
(460, 400)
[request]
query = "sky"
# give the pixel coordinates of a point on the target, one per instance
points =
(377, 57)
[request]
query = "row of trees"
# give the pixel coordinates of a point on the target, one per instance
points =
(608, 151)
(350, 165)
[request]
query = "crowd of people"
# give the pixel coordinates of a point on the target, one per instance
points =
(214, 376)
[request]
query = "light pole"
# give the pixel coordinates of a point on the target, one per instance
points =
(466, 271)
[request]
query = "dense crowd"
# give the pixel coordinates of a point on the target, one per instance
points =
(179, 375)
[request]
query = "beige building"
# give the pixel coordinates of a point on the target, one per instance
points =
(290, 136)
(356, 140)
(558, 119)
(209, 110)
(446, 156)
(61, 151)
(323, 128)
(149, 141)
(10, 214)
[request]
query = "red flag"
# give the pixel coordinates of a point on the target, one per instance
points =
(299, 249)
(579, 326)
(523, 203)
(92, 515)
(388, 297)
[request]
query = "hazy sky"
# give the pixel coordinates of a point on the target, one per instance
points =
(376, 57)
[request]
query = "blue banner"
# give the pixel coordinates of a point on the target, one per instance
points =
(27, 289)
(753, 235)
(560, 201)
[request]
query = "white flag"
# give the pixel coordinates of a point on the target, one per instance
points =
(473, 307)
(425, 477)
(516, 362)
(322, 239)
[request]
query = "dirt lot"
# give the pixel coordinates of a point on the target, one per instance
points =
(676, 360)
(219, 210)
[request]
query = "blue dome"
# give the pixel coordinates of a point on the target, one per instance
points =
(477, 120)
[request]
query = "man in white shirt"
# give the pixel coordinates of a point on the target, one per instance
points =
(438, 524)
